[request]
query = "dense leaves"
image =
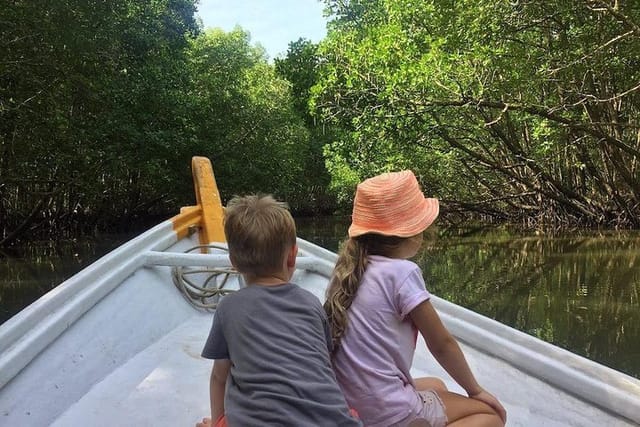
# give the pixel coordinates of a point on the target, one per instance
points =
(520, 111)
(524, 111)
(300, 67)
(102, 105)
(245, 120)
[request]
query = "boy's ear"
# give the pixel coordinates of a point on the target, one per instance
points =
(291, 256)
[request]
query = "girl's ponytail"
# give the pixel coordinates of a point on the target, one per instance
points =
(343, 287)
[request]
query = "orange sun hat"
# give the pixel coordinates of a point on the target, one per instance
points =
(392, 204)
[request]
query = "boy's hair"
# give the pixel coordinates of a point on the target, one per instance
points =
(348, 271)
(259, 231)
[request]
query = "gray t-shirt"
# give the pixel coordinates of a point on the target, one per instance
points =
(278, 339)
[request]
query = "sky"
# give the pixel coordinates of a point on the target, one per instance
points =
(272, 23)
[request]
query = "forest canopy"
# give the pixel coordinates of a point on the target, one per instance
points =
(521, 111)
(524, 111)
(103, 104)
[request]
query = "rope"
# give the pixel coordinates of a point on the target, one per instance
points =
(204, 296)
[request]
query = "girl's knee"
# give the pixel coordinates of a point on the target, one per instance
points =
(486, 419)
(496, 421)
(439, 385)
(477, 420)
(462, 408)
(430, 383)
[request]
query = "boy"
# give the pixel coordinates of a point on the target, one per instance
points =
(271, 339)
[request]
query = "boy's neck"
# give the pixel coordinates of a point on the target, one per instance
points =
(269, 280)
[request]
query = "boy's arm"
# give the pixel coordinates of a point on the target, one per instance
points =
(217, 385)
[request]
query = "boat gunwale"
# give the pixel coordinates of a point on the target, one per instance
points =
(30, 331)
(613, 391)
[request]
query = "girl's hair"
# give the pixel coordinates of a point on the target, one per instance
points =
(347, 274)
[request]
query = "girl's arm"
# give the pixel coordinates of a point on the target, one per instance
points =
(447, 352)
(217, 384)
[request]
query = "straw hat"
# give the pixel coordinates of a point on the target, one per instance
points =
(392, 204)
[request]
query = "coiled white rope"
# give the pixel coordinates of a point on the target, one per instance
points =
(206, 294)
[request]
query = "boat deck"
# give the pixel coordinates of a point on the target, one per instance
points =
(172, 372)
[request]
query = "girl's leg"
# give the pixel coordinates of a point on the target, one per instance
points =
(430, 383)
(463, 411)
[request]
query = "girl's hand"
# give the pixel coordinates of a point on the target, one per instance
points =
(489, 399)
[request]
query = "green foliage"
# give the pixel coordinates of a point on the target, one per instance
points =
(244, 117)
(522, 111)
(86, 97)
(534, 103)
(102, 105)
(300, 69)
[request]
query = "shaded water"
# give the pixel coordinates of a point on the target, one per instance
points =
(580, 291)
(29, 271)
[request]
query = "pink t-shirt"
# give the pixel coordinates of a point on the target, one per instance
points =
(375, 355)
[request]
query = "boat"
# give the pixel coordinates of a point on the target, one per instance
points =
(118, 344)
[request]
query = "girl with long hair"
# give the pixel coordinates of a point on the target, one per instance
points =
(377, 303)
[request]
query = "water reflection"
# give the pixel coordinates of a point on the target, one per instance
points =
(28, 272)
(579, 291)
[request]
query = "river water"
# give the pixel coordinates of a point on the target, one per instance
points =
(580, 291)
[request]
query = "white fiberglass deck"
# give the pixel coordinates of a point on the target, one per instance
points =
(171, 372)
(133, 360)
(170, 387)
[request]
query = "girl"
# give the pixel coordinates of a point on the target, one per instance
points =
(377, 303)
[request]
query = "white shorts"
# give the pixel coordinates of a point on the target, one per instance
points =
(433, 411)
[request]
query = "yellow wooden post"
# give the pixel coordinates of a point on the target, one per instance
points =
(208, 198)
(185, 220)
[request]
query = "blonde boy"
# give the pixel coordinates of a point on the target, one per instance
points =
(271, 340)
